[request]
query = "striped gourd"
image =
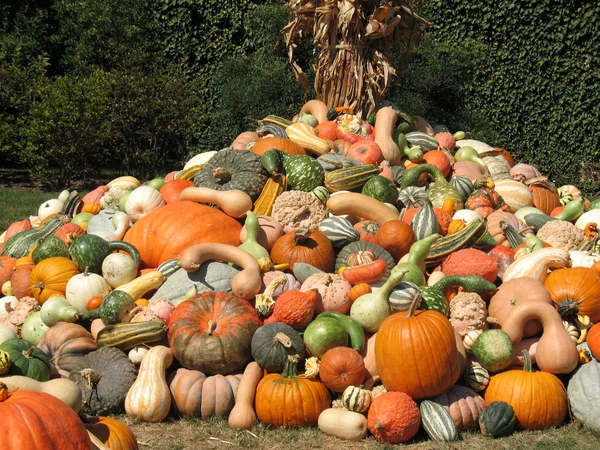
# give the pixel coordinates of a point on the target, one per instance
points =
(169, 267)
(438, 422)
(424, 223)
(20, 244)
(423, 140)
(189, 173)
(303, 172)
(306, 136)
(321, 193)
(403, 295)
(271, 190)
(477, 377)
(339, 231)
(413, 196)
(271, 118)
(356, 399)
(463, 186)
(516, 195)
(465, 238)
(128, 335)
(470, 339)
(273, 129)
(350, 178)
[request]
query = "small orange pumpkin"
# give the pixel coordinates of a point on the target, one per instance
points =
(341, 367)
(576, 291)
(112, 433)
(50, 276)
(304, 245)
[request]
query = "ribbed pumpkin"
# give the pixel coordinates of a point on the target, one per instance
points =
(279, 143)
(36, 420)
(538, 398)
(167, 231)
(288, 400)
(576, 291)
(305, 246)
(394, 417)
(516, 195)
(464, 405)
(66, 344)
(341, 367)
(544, 193)
(49, 278)
(429, 336)
(396, 237)
(211, 332)
(112, 433)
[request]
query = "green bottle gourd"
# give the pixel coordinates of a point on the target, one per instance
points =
(370, 310)
(469, 154)
(416, 258)
(251, 244)
(439, 192)
(414, 154)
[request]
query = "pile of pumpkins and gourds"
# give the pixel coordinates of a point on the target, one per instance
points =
(363, 276)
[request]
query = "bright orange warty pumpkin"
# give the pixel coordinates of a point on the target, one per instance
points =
(50, 276)
(576, 291)
(36, 420)
(306, 246)
(167, 231)
(416, 353)
(394, 417)
(287, 400)
(113, 433)
(538, 398)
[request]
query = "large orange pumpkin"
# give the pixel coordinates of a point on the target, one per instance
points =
(167, 231)
(538, 398)
(113, 433)
(545, 195)
(285, 145)
(288, 400)
(416, 353)
(576, 291)
(50, 276)
(36, 420)
(306, 246)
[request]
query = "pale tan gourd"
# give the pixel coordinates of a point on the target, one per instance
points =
(234, 203)
(242, 415)
(317, 108)
(246, 284)
(340, 422)
(556, 352)
(243, 139)
(125, 182)
(385, 121)
(149, 399)
(536, 265)
(368, 354)
(306, 137)
(361, 205)
(61, 388)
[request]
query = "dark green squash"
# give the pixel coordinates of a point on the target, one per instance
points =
(116, 307)
(273, 343)
(304, 173)
(233, 169)
(104, 377)
(497, 420)
(26, 360)
(382, 189)
(88, 251)
(50, 247)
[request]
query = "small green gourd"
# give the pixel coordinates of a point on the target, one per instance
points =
(414, 153)
(469, 154)
(57, 309)
(416, 258)
(251, 244)
(434, 298)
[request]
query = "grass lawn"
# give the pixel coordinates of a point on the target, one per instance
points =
(19, 204)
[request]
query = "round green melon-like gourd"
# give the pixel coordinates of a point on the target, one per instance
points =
(381, 189)
(403, 295)
(303, 173)
(437, 422)
(233, 169)
(273, 343)
(26, 360)
(463, 186)
(361, 246)
(50, 247)
(494, 350)
(324, 333)
(584, 394)
(497, 420)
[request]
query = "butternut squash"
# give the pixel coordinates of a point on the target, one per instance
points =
(385, 120)
(142, 284)
(361, 205)
(243, 415)
(317, 108)
(340, 422)
(536, 265)
(234, 203)
(556, 352)
(61, 388)
(246, 284)
(149, 399)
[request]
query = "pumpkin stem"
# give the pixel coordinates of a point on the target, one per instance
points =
(91, 376)
(568, 309)
(3, 392)
(378, 425)
(212, 326)
(86, 271)
(527, 362)
(221, 174)
(512, 236)
(27, 353)
(302, 235)
(290, 368)
(283, 339)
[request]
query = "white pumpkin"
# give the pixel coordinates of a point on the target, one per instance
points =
(583, 259)
(199, 160)
(118, 269)
(7, 333)
(7, 304)
(516, 195)
(466, 215)
(82, 287)
(49, 207)
(592, 216)
(141, 201)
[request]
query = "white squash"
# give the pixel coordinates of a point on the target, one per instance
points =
(7, 333)
(7, 304)
(119, 269)
(199, 160)
(49, 207)
(136, 354)
(340, 422)
(592, 216)
(466, 215)
(141, 201)
(516, 195)
(583, 259)
(481, 147)
(82, 287)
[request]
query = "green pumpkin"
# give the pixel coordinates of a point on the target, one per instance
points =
(50, 247)
(116, 307)
(324, 333)
(381, 189)
(233, 169)
(27, 360)
(273, 343)
(88, 252)
(497, 420)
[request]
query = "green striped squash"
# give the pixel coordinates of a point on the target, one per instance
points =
(424, 223)
(381, 189)
(350, 178)
(413, 196)
(272, 128)
(403, 295)
(339, 231)
(477, 377)
(321, 193)
(465, 238)
(356, 399)
(277, 120)
(437, 422)
(128, 335)
(20, 244)
(463, 186)
(304, 173)
(423, 140)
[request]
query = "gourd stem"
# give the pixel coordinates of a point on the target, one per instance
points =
(527, 361)
(283, 339)
(222, 174)
(27, 353)
(212, 326)
(86, 271)
(289, 370)
(512, 236)
(301, 236)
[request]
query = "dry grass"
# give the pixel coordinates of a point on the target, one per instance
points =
(216, 434)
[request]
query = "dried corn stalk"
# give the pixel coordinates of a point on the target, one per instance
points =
(354, 40)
